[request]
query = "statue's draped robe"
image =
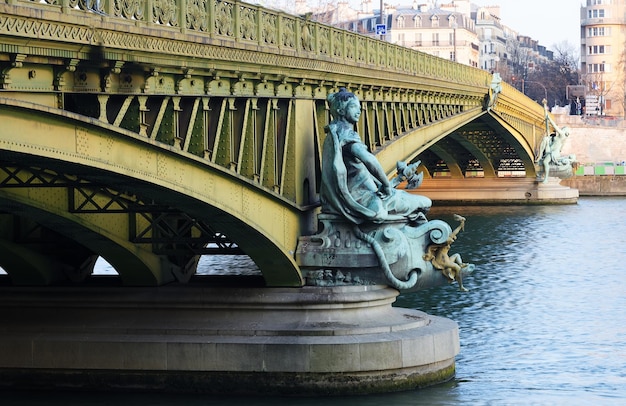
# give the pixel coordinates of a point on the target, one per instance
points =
(350, 190)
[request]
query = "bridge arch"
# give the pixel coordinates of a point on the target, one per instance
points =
(104, 154)
(485, 139)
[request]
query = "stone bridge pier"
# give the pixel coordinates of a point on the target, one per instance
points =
(223, 340)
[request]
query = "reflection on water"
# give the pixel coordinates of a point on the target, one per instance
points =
(240, 265)
(544, 322)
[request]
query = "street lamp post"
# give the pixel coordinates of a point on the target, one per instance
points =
(454, 27)
(382, 20)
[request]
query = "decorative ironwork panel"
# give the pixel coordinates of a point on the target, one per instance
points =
(337, 41)
(224, 18)
(197, 15)
(324, 40)
(350, 46)
(288, 25)
(129, 9)
(165, 12)
(269, 28)
(248, 23)
(307, 39)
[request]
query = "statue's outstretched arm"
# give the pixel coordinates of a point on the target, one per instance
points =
(460, 227)
(556, 128)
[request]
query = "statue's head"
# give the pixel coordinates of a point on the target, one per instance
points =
(338, 101)
(566, 131)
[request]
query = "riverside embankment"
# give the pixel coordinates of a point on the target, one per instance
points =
(600, 148)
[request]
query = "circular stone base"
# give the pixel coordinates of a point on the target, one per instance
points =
(308, 341)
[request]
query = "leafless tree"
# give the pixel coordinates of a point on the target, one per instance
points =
(621, 81)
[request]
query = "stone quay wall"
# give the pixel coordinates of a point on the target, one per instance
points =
(599, 144)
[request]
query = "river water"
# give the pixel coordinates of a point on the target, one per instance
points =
(544, 322)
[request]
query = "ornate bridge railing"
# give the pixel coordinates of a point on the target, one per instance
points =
(524, 117)
(237, 25)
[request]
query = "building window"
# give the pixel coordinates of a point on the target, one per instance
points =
(452, 21)
(598, 49)
(400, 22)
(418, 39)
(417, 21)
(599, 31)
(595, 13)
(435, 39)
(434, 21)
(373, 23)
(452, 56)
(599, 86)
(598, 67)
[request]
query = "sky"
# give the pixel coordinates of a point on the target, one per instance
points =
(548, 21)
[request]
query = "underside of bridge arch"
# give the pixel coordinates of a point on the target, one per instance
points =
(41, 247)
(484, 147)
(147, 209)
(54, 226)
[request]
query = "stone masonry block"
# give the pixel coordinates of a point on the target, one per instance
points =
(187, 356)
(335, 358)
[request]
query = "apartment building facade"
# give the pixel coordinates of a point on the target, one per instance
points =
(602, 52)
(446, 31)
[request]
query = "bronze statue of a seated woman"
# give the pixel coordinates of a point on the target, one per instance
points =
(354, 184)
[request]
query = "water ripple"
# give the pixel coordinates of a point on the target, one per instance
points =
(544, 320)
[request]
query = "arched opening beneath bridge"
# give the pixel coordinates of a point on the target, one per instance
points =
(476, 150)
(208, 266)
(104, 268)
